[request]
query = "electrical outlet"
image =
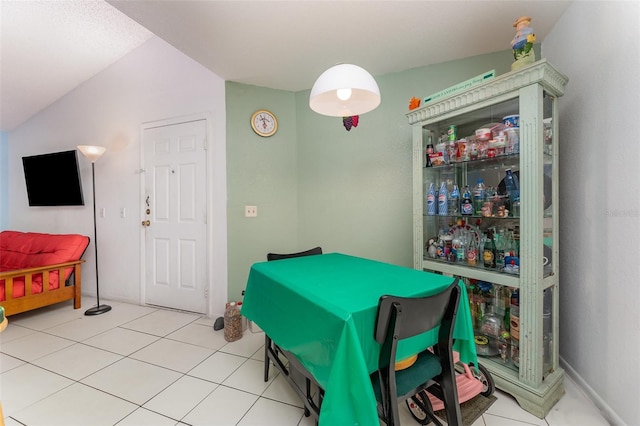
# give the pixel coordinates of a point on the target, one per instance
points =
(123, 212)
(250, 211)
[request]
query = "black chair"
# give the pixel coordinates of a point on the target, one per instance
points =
(400, 318)
(310, 252)
(273, 351)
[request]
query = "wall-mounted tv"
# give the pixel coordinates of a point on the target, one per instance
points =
(53, 179)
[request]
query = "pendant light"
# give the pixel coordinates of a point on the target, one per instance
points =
(344, 90)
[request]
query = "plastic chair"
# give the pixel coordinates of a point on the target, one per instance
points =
(271, 350)
(401, 318)
(310, 252)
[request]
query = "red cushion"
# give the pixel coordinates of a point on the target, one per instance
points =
(19, 250)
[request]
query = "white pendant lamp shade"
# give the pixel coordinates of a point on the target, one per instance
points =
(92, 152)
(343, 91)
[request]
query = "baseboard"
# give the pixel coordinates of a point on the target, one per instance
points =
(604, 408)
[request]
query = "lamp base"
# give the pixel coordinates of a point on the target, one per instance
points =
(97, 310)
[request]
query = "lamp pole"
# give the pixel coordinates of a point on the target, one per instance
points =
(93, 153)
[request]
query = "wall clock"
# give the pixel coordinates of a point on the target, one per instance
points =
(264, 123)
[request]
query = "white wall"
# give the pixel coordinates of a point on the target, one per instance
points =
(596, 45)
(154, 82)
(4, 181)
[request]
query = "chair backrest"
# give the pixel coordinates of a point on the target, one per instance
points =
(403, 317)
(278, 256)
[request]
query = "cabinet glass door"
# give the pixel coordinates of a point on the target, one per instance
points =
(548, 174)
(502, 237)
(549, 240)
(471, 212)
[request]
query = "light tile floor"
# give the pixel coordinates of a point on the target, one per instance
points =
(139, 365)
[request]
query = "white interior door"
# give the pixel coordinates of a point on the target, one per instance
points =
(175, 208)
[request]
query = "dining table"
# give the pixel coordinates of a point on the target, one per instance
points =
(323, 308)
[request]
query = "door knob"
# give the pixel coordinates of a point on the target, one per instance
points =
(146, 223)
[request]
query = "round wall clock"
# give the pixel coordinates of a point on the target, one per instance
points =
(264, 123)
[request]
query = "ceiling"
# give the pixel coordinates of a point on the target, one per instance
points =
(50, 47)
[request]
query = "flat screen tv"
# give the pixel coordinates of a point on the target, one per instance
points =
(53, 179)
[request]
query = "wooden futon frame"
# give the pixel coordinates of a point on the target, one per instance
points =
(38, 270)
(48, 296)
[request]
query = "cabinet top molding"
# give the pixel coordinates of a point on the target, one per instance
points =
(541, 72)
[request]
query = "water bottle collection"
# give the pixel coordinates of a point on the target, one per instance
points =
(464, 243)
(481, 201)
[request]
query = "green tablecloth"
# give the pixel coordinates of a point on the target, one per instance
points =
(323, 309)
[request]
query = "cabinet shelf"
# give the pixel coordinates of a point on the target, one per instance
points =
(467, 217)
(481, 162)
(532, 92)
(478, 273)
(478, 265)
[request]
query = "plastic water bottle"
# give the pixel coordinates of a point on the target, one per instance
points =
(461, 253)
(454, 200)
(442, 199)
(232, 322)
(513, 186)
(478, 197)
(455, 245)
(466, 205)
(431, 200)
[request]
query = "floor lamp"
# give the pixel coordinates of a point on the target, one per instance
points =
(93, 153)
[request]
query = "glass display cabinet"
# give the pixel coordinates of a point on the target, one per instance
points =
(485, 208)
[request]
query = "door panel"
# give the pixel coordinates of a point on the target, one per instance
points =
(175, 194)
